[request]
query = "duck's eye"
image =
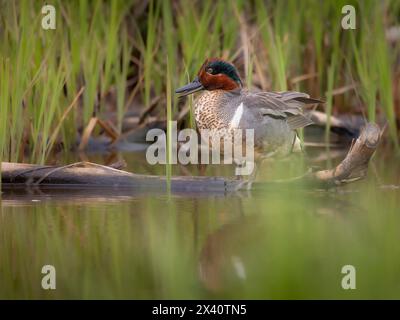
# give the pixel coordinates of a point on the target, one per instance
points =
(210, 70)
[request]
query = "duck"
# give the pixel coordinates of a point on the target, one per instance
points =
(225, 105)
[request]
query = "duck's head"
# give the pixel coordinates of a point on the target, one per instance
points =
(214, 74)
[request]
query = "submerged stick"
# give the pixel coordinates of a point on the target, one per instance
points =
(83, 174)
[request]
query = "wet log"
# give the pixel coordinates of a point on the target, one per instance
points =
(97, 176)
(343, 125)
(89, 175)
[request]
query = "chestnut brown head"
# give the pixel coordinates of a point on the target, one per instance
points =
(213, 75)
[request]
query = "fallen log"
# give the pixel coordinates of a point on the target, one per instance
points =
(89, 175)
(84, 174)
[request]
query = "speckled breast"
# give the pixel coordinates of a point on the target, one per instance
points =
(210, 113)
(207, 111)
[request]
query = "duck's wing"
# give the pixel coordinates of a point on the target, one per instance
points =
(286, 105)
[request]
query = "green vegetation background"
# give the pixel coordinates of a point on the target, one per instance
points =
(112, 56)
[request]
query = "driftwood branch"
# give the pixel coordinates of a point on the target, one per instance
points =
(348, 125)
(352, 168)
(89, 175)
(355, 164)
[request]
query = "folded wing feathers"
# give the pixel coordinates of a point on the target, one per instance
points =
(286, 104)
(298, 121)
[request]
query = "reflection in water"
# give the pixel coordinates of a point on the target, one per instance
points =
(229, 255)
(277, 243)
(221, 261)
(20, 196)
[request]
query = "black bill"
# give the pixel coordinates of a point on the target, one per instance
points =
(190, 88)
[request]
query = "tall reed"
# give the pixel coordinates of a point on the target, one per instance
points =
(110, 47)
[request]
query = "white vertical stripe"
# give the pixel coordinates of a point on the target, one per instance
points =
(237, 117)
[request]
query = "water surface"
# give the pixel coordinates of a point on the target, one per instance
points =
(283, 242)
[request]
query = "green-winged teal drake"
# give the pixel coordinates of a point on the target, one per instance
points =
(225, 105)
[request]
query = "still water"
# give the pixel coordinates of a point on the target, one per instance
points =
(283, 242)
